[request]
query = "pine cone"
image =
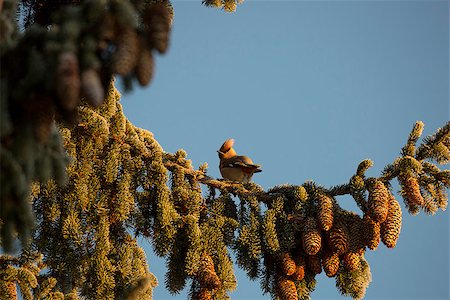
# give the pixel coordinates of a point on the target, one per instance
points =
(325, 212)
(390, 229)
(330, 263)
(314, 264)
(338, 237)
(128, 46)
(157, 19)
(203, 294)
(311, 238)
(411, 191)
(287, 264)
(43, 114)
(206, 274)
(351, 261)
(68, 81)
(144, 67)
(356, 233)
(299, 273)
(106, 31)
(371, 232)
(287, 289)
(92, 88)
(378, 200)
(300, 268)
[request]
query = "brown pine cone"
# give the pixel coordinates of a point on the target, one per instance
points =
(325, 212)
(206, 274)
(356, 233)
(411, 191)
(311, 238)
(288, 266)
(338, 237)
(351, 261)
(378, 200)
(157, 20)
(287, 289)
(203, 294)
(92, 88)
(330, 263)
(42, 112)
(390, 229)
(144, 67)
(68, 81)
(126, 56)
(371, 232)
(300, 268)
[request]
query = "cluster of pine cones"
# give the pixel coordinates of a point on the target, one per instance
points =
(121, 48)
(75, 55)
(336, 238)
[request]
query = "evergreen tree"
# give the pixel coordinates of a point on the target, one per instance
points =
(78, 191)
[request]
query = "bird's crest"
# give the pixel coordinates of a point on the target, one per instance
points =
(227, 145)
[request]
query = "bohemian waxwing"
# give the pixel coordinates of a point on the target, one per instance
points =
(234, 167)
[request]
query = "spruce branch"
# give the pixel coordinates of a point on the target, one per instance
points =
(120, 179)
(436, 146)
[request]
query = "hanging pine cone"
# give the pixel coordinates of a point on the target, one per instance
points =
(390, 229)
(330, 263)
(411, 191)
(338, 237)
(128, 46)
(299, 273)
(351, 261)
(314, 264)
(300, 268)
(106, 31)
(206, 274)
(287, 289)
(157, 20)
(68, 81)
(325, 212)
(144, 67)
(288, 266)
(203, 294)
(355, 227)
(371, 232)
(92, 88)
(311, 238)
(378, 200)
(42, 113)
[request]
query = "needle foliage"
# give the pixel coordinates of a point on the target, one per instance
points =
(80, 183)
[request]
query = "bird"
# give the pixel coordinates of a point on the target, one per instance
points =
(234, 167)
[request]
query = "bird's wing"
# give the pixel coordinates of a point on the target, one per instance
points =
(243, 162)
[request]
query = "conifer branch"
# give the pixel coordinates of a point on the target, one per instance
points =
(119, 179)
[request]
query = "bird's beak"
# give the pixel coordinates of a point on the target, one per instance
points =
(220, 152)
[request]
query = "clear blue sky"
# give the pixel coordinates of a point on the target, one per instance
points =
(308, 89)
